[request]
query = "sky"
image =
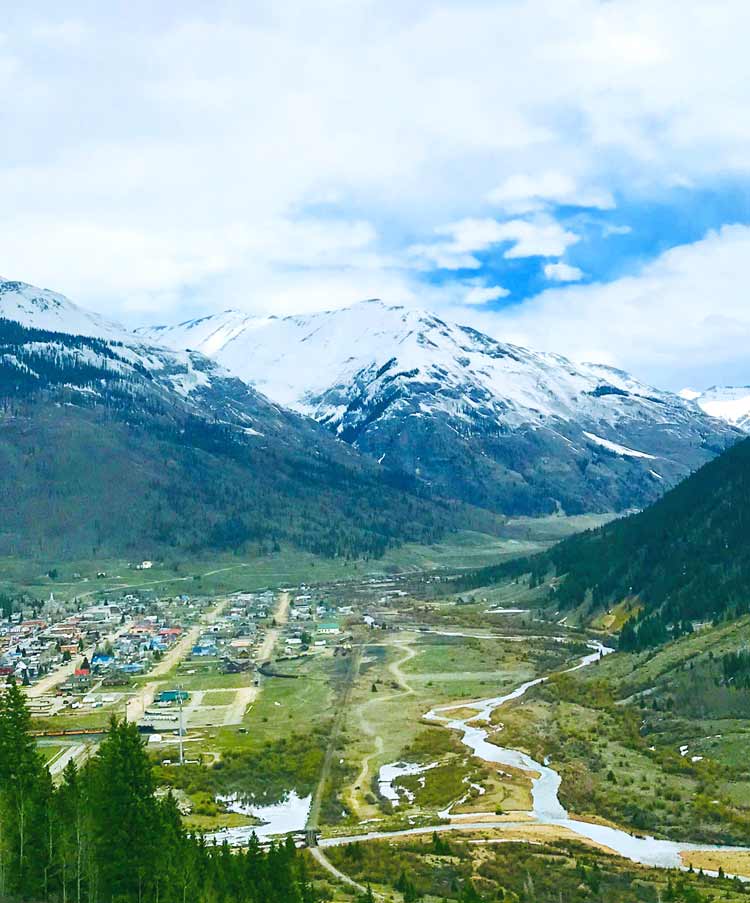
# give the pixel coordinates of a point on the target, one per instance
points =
(571, 175)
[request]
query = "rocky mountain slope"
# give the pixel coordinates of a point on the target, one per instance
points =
(109, 443)
(499, 426)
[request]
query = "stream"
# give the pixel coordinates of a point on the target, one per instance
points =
(291, 814)
(546, 806)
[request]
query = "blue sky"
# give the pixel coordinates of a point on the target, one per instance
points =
(617, 242)
(573, 176)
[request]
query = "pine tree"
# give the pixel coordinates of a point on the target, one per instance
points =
(72, 845)
(124, 814)
(24, 798)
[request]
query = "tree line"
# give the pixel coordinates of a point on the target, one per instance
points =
(188, 473)
(685, 558)
(104, 836)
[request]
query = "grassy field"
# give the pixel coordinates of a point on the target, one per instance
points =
(400, 680)
(277, 748)
(205, 577)
(302, 704)
(49, 752)
(290, 566)
(218, 697)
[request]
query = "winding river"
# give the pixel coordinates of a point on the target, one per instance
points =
(546, 806)
(547, 809)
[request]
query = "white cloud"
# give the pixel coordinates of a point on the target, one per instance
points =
(541, 237)
(538, 237)
(154, 269)
(610, 229)
(562, 272)
(684, 318)
(523, 193)
(183, 173)
(479, 293)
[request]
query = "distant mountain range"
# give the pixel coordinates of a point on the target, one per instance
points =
(111, 444)
(728, 403)
(493, 424)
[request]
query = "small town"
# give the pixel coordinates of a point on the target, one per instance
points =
(177, 666)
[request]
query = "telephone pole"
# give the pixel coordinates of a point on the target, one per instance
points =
(182, 725)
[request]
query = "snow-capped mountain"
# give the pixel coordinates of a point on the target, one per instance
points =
(729, 403)
(498, 425)
(110, 441)
(186, 380)
(40, 308)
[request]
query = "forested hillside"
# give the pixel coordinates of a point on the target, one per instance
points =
(685, 558)
(110, 449)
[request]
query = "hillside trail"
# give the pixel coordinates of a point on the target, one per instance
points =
(367, 728)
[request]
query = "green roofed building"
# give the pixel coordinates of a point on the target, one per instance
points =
(329, 627)
(173, 696)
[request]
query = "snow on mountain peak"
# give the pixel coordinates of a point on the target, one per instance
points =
(495, 424)
(321, 363)
(728, 403)
(40, 308)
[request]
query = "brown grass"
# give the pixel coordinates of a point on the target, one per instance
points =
(733, 863)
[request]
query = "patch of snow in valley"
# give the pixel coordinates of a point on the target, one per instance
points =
(389, 774)
(618, 449)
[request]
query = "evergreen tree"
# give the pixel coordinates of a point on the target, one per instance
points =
(103, 836)
(24, 795)
(124, 814)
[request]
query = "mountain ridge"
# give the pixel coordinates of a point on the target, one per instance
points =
(728, 403)
(513, 430)
(110, 442)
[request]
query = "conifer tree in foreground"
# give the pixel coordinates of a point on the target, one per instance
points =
(25, 792)
(103, 835)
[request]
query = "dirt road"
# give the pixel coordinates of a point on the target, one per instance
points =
(245, 696)
(320, 857)
(362, 779)
(145, 696)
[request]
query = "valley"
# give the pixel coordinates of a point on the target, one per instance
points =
(430, 614)
(353, 736)
(375, 452)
